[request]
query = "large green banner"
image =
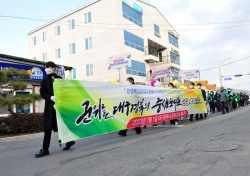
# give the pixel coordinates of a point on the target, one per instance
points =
(87, 109)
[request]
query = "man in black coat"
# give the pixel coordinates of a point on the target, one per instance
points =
(49, 117)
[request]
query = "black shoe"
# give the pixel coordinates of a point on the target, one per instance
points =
(223, 113)
(42, 153)
(121, 134)
(68, 145)
(191, 119)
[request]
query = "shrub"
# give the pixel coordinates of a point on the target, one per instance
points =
(23, 124)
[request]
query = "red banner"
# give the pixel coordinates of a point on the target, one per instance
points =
(146, 120)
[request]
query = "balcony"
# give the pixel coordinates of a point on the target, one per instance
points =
(153, 52)
(151, 59)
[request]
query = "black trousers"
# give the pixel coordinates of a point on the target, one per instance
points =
(224, 105)
(124, 132)
(172, 122)
(212, 106)
(46, 139)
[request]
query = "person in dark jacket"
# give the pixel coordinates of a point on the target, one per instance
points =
(224, 98)
(212, 101)
(130, 81)
(203, 92)
(49, 117)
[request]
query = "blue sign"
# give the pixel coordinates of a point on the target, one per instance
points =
(227, 79)
(36, 73)
(60, 71)
(134, 5)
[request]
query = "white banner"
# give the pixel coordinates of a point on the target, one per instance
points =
(161, 72)
(189, 74)
(120, 61)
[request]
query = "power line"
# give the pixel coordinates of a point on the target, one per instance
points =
(225, 64)
(79, 24)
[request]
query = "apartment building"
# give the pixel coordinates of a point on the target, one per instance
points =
(86, 37)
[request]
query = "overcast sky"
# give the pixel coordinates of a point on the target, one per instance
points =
(210, 31)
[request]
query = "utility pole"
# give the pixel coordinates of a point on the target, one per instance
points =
(220, 77)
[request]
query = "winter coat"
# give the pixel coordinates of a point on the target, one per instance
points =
(46, 91)
(211, 98)
(225, 92)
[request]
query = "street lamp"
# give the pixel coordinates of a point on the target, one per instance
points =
(219, 70)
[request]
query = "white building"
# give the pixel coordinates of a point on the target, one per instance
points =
(86, 37)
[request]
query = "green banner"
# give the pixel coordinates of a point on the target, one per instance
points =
(87, 109)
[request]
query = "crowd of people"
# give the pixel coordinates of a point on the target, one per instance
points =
(223, 100)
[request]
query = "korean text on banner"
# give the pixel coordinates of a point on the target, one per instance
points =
(189, 74)
(87, 109)
(161, 72)
(120, 61)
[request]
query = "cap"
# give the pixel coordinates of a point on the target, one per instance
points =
(50, 64)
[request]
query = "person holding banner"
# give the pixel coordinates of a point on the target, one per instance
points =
(192, 115)
(49, 117)
(204, 98)
(131, 81)
(175, 121)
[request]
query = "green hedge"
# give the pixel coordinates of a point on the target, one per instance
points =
(25, 123)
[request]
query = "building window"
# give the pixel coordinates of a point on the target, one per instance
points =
(88, 43)
(133, 41)
(157, 30)
(74, 73)
(72, 48)
(33, 58)
(72, 24)
(44, 36)
(87, 17)
(175, 58)
(173, 40)
(131, 14)
(137, 69)
(57, 30)
(58, 53)
(34, 41)
(175, 75)
(89, 70)
(44, 57)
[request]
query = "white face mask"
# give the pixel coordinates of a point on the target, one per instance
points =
(191, 87)
(48, 71)
(129, 83)
(199, 87)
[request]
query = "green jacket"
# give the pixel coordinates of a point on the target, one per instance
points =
(232, 96)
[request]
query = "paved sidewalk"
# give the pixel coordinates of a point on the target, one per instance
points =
(21, 137)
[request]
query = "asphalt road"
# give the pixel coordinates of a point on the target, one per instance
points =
(216, 146)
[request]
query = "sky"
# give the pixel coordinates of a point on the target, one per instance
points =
(212, 33)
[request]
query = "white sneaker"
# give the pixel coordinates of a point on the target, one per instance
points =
(176, 123)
